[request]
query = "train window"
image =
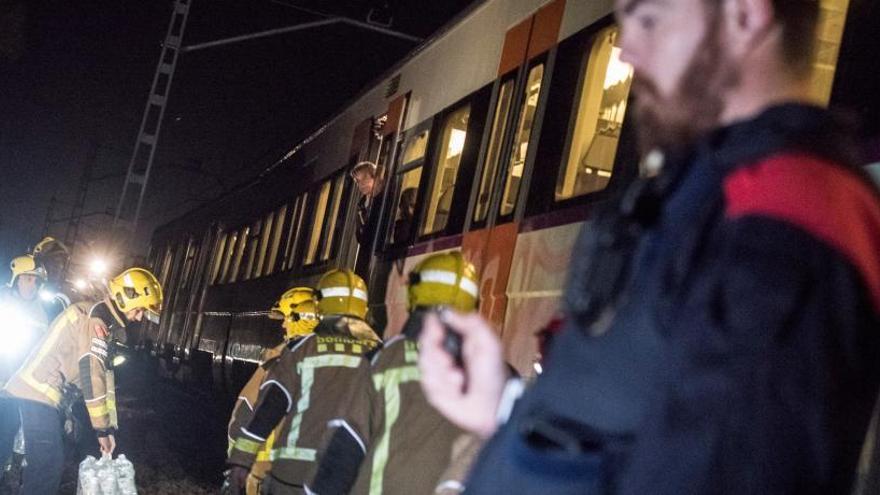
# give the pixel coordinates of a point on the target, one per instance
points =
(296, 219)
(406, 188)
(217, 263)
(239, 252)
(317, 217)
(253, 243)
(231, 245)
(332, 219)
(415, 148)
(188, 262)
(600, 110)
(832, 18)
(446, 170)
(264, 245)
(517, 161)
(275, 242)
(493, 155)
(405, 204)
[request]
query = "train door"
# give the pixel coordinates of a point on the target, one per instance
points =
(376, 140)
(524, 72)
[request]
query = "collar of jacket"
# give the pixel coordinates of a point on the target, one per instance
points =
(106, 311)
(345, 326)
(790, 127)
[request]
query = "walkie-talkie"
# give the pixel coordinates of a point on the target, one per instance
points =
(451, 340)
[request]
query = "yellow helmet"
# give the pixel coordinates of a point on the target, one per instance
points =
(137, 288)
(444, 279)
(342, 292)
(49, 244)
(299, 310)
(25, 265)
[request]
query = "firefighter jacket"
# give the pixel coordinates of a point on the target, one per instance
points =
(243, 410)
(28, 324)
(736, 351)
(307, 387)
(73, 353)
(407, 445)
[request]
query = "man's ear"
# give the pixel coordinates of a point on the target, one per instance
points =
(746, 24)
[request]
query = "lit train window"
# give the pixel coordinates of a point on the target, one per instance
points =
(320, 212)
(330, 231)
(600, 111)
(218, 258)
(239, 252)
(415, 148)
(521, 145)
(253, 243)
(406, 188)
(275, 241)
(231, 244)
(446, 170)
(296, 219)
(493, 155)
(832, 18)
(264, 245)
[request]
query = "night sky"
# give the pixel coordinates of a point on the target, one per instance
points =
(74, 78)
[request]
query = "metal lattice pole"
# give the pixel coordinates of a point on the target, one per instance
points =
(130, 202)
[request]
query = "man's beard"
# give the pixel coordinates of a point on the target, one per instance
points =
(674, 123)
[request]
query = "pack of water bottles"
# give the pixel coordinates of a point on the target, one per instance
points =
(106, 476)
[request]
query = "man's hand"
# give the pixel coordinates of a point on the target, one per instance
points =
(108, 444)
(468, 397)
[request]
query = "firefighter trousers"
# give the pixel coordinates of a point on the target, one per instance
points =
(272, 486)
(9, 424)
(44, 446)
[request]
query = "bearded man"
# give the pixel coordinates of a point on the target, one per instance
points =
(721, 320)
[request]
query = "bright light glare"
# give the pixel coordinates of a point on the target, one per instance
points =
(80, 284)
(98, 267)
(538, 368)
(15, 329)
(118, 360)
(456, 143)
(46, 295)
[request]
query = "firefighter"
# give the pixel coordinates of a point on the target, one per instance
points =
(408, 444)
(307, 387)
(74, 353)
(297, 308)
(23, 318)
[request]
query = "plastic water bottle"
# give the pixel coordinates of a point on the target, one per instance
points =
(88, 478)
(106, 476)
(125, 476)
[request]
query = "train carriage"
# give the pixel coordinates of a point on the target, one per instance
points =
(500, 135)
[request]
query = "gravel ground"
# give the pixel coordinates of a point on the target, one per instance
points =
(175, 438)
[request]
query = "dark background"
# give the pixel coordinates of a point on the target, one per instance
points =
(74, 78)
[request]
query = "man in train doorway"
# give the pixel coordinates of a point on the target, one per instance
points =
(721, 320)
(367, 178)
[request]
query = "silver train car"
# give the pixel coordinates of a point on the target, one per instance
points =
(499, 136)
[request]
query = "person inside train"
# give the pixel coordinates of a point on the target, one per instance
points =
(406, 446)
(721, 318)
(307, 387)
(297, 308)
(74, 353)
(406, 212)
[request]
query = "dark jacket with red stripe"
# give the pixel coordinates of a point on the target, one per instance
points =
(739, 354)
